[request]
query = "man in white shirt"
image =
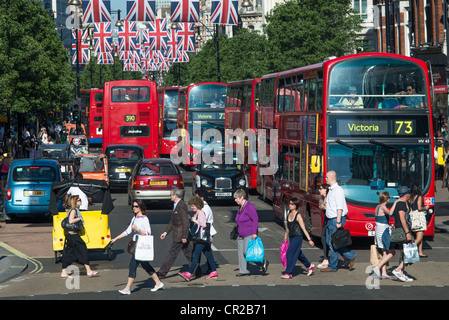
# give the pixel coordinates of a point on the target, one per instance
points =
(336, 210)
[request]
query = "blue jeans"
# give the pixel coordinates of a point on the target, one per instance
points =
(205, 248)
(331, 227)
(294, 253)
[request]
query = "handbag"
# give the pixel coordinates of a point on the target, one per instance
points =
(144, 248)
(418, 221)
(411, 254)
(341, 239)
(255, 251)
(197, 236)
(66, 225)
(284, 247)
(234, 233)
(397, 235)
(131, 247)
(375, 255)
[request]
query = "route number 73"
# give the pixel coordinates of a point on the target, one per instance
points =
(404, 127)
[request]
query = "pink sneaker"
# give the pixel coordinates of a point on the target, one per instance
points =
(213, 274)
(186, 275)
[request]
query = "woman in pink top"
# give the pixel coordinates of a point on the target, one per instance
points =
(199, 218)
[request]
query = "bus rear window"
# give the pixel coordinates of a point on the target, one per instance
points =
(130, 94)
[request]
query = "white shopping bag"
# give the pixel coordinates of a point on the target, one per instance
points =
(144, 248)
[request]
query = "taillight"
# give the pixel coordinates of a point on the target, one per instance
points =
(141, 182)
(8, 194)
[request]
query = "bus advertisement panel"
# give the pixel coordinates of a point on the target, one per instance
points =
(368, 118)
(131, 115)
(168, 110)
(96, 117)
(200, 120)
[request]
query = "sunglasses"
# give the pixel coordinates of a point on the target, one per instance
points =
(135, 206)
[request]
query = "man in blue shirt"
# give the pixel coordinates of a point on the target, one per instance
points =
(412, 100)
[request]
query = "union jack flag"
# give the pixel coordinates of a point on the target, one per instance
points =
(141, 10)
(105, 58)
(83, 47)
(224, 12)
(96, 11)
(182, 56)
(172, 45)
(157, 35)
(185, 10)
(127, 36)
(103, 37)
(186, 37)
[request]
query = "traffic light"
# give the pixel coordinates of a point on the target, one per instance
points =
(76, 110)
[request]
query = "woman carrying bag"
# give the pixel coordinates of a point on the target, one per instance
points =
(199, 224)
(139, 226)
(75, 248)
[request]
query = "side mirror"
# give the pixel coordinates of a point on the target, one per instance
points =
(315, 164)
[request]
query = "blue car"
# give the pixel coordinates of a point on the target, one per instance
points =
(28, 187)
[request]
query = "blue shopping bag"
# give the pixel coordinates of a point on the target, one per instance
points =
(411, 254)
(255, 251)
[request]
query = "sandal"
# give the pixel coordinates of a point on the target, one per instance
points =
(310, 270)
(323, 265)
(286, 276)
(93, 274)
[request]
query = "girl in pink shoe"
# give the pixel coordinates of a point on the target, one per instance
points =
(199, 218)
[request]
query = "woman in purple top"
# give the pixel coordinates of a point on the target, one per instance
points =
(247, 223)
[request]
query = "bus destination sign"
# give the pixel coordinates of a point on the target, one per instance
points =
(206, 115)
(359, 126)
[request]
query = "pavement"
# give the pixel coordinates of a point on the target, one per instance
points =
(15, 264)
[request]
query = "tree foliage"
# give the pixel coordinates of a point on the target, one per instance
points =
(35, 74)
(304, 32)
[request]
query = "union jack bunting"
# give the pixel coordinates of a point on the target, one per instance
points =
(83, 46)
(105, 58)
(127, 36)
(185, 10)
(224, 12)
(96, 11)
(127, 55)
(129, 66)
(186, 37)
(157, 34)
(182, 56)
(141, 10)
(103, 37)
(172, 44)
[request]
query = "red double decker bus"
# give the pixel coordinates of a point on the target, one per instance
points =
(201, 107)
(131, 115)
(96, 117)
(242, 99)
(168, 110)
(352, 115)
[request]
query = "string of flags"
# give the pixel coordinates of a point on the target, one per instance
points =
(152, 49)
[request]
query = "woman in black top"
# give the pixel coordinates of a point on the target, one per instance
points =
(295, 231)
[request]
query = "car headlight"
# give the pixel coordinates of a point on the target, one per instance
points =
(204, 182)
(242, 182)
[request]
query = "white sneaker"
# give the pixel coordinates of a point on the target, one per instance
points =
(407, 279)
(401, 276)
(156, 288)
(125, 292)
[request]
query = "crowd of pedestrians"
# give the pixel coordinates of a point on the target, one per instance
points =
(332, 203)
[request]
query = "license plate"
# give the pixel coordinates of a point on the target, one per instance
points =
(122, 170)
(158, 183)
(223, 194)
(34, 193)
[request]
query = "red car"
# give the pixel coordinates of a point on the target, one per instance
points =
(152, 179)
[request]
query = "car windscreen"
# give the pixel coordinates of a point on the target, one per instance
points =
(123, 154)
(34, 173)
(157, 169)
